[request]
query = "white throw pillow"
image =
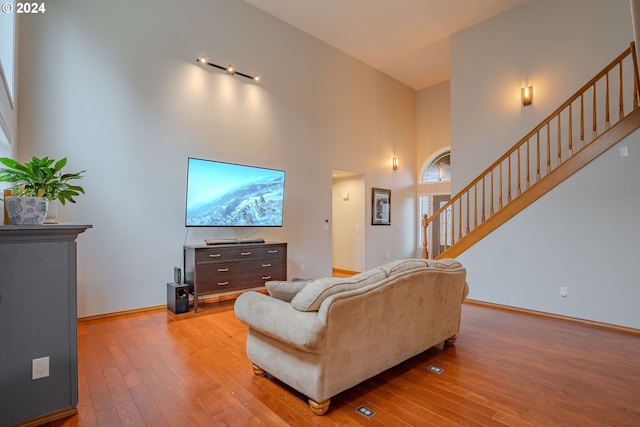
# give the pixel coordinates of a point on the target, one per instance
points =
(285, 291)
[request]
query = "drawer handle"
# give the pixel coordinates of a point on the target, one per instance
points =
(214, 255)
(223, 283)
(266, 265)
(245, 253)
(222, 270)
(266, 277)
(273, 251)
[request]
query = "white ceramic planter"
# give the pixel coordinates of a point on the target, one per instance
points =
(52, 212)
(26, 210)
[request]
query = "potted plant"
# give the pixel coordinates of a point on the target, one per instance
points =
(35, 183)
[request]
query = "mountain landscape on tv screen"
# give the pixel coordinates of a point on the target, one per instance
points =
(256, 203)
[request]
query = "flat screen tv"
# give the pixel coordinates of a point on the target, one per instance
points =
(231, 195)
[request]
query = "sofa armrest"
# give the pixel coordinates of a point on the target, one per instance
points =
(277, 319)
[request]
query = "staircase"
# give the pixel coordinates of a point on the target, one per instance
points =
(553, 151)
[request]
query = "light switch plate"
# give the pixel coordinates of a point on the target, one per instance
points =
(624, 151)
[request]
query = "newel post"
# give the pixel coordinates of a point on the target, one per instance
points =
(425, 244)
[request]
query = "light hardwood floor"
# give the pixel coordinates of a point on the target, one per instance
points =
(159, 369)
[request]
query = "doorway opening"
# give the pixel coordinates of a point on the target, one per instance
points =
(348, 219)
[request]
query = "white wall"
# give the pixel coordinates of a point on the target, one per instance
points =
(582, 235)
(556, 46)
(433, 107)
(115, 87)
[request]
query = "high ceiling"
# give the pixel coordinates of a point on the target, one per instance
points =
(406, 39)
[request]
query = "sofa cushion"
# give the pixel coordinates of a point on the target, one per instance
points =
(402, 265)
(277, 319)
(445, 263)
(312, 295)
(284, 290)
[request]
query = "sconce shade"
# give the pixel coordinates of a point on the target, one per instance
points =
(394, 163)
(526, 94)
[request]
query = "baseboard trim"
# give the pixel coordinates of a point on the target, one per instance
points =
(120, 313)
(342, 271)
(234, 295)
(48, 418)
(206, 300)
(600, 325)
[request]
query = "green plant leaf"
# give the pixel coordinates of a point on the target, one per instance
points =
(41, 177)
(60, 164)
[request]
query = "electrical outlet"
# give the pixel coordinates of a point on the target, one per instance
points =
(435, 369)
(363, 410)
(40, 368)
(564, 291)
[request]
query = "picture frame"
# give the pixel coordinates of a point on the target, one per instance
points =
(380, 206)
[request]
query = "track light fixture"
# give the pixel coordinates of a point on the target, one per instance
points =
(229, 69)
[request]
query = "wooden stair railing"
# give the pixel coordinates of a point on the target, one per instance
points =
(546, 156)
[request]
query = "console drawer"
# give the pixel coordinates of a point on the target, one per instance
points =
(270, 252)
(217, 277)
(213, 254)
(258, 252)
(260, 271)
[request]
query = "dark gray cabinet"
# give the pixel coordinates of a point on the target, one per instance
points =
(38, 318)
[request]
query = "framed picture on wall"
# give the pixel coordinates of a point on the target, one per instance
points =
(380, 206)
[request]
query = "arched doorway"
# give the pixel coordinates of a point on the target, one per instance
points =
(434, 190)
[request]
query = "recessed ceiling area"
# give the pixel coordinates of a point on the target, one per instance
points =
(406, 39)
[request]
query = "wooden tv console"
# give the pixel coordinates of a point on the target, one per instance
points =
(234, 267)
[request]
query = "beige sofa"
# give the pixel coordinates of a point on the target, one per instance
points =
(325, 336)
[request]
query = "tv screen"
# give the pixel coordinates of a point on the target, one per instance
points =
(230, 195)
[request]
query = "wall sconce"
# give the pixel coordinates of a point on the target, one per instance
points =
(394, 163)
(526, 93)
(229, 69)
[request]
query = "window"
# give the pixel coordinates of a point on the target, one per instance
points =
(7, 36)
(439, 170)
(7, 56)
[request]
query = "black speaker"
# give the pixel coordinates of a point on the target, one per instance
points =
(178, 298)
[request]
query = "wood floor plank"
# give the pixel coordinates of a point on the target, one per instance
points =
(506, 369)
(86, 412)
(123, 402)
(458, 411)
(149, 410)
